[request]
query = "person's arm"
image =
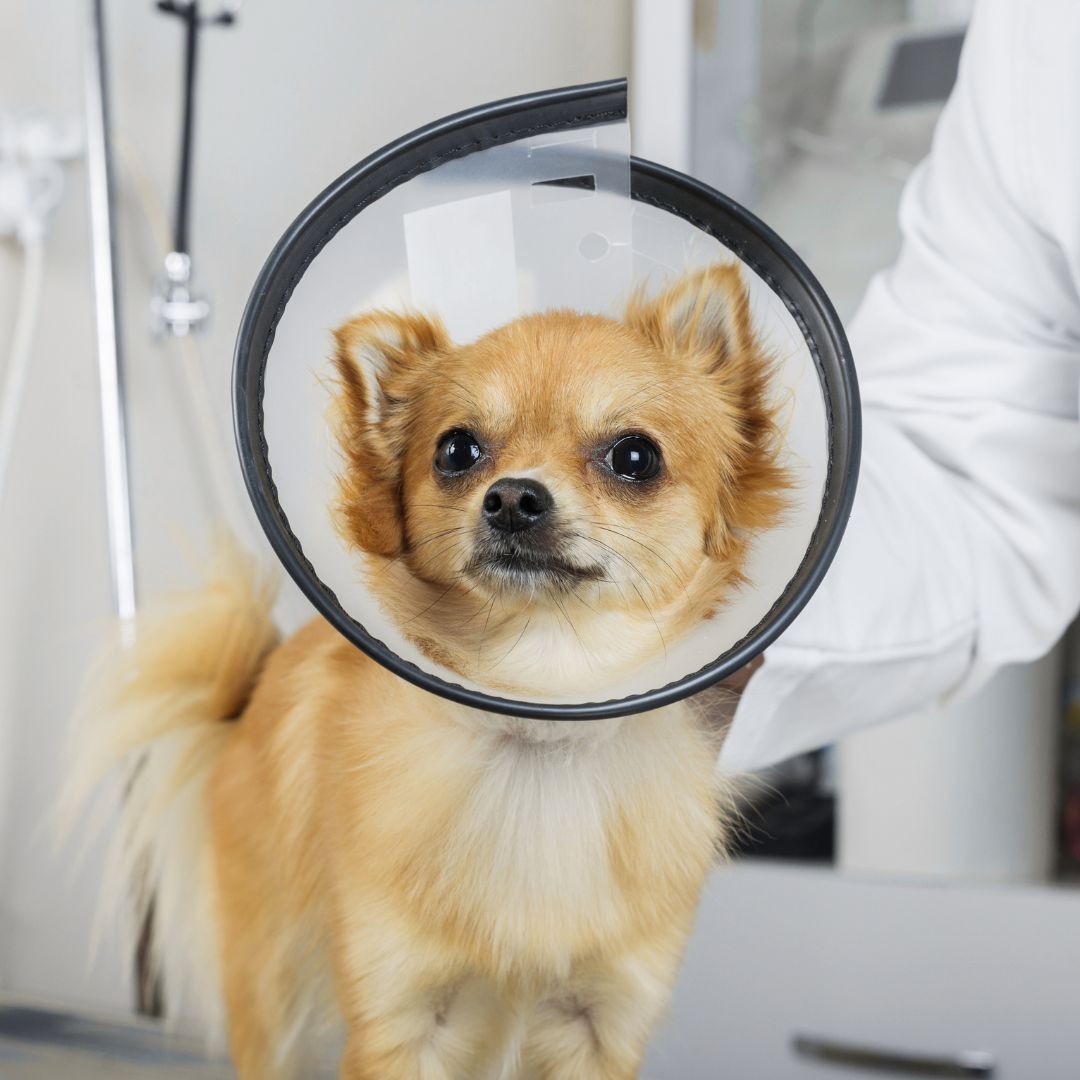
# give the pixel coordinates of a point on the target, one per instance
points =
(963, 550)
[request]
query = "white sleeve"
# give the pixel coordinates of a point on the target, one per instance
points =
(963, 549)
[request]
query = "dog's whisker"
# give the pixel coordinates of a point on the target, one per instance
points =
(517, 642)
(582, 601)
(573, 629)
(632, 533)
(617, 554)
(651, 550)
(648, 608)
(442, 596)
(420, 565)
(633, 530)
(649, 391)
(466, 395)
(414, 547)
(436, 536)
(432, 556)
(483, 633)
(616, 532)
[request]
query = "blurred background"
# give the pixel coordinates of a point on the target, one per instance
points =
(902, 901)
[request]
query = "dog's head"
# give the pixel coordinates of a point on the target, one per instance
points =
(566, 495)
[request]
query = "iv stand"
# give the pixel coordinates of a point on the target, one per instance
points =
(107, 316)
(178, 310)
(111, 381)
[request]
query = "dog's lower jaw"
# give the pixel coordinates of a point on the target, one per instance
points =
(528, 648)
(567, 652)
(545, 647)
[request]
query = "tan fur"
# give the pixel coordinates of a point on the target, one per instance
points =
(491, 897)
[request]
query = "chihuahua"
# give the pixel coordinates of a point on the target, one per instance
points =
(542, 511)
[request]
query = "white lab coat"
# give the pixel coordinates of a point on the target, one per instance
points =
(963, 550)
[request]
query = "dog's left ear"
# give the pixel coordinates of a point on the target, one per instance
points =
(703, 321)
(379, 359)
(704, 317)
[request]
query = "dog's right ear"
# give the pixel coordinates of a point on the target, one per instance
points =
(379, 359)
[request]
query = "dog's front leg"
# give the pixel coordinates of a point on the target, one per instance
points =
(597, 1026)
(457, 1033)
(411, 1011)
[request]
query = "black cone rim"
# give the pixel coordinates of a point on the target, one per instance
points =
(707, 209)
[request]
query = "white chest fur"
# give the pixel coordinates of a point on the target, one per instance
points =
(530, 856)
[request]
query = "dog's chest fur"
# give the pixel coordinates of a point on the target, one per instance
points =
(526, 845)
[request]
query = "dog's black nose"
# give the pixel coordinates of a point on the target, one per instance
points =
(511, 505)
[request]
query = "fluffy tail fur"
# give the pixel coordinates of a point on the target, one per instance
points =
(158, 711)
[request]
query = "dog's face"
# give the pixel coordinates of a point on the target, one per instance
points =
(570, 473)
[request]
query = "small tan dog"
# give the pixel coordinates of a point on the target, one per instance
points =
(478, 896)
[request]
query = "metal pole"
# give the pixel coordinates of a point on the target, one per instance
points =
(106, 300)
(111, 380)
(182, 240)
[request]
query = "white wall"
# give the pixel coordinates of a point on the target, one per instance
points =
(290, 98)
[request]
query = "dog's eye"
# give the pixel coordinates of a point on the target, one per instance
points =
(457, 452)
(633, 457)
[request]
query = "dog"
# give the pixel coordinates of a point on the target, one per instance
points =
(542, 510)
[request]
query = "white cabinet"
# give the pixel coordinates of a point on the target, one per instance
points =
(965, 791)
(782, 950)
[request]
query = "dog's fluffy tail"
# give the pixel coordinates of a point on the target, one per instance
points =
(158, 711)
